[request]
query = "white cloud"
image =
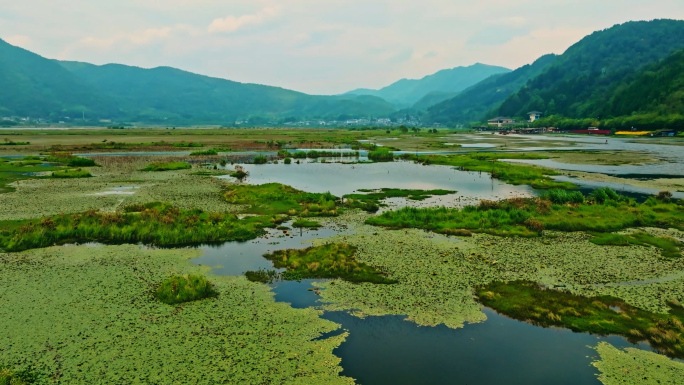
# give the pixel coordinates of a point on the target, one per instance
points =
(232, 23)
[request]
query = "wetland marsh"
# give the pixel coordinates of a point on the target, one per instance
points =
(362, 272)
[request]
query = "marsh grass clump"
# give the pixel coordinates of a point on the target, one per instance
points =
(328, 261)
(212, 151)
(558, 196)
(68, 174)
(529, 302)
(180, 289)
(167, 166)
(306, 223)
(669, 247)
(260, 159)
(275, 198)
(81, 162)
(154, 223)
(381, 154)
(516, 174)
(528, 217)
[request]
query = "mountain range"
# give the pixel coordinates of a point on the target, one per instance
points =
(581, 82)
(406, 92)
(635, 68)
(51, 89)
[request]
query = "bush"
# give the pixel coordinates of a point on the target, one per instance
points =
(604, 194)
(664, 196)
(260, 159)
(288, 160)
(81, 162)
(187, 288)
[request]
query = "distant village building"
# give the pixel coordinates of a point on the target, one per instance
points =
(534, 115)
(500, 121)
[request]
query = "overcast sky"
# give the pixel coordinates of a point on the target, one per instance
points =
(315, 46)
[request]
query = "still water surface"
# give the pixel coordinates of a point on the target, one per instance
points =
(389, 350)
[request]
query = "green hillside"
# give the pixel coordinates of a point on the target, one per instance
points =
(581, 80)
(650, 99)
(34, 86)
(473, 103)
(406, 92)
(659, 88)
(37, 87)
(169, 93)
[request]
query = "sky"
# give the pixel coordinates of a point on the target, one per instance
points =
(314, 46)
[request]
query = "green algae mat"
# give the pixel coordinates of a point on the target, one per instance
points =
(87, 315)
(633, 366)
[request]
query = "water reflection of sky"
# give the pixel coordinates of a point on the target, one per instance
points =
(341, 179)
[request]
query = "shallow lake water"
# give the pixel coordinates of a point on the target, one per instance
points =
(390, 350)
(341, 179)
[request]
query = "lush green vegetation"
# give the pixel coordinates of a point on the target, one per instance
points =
(527, 301)
(582, 82)
(71, 173)
(528, 217)
(306, 223)
(473, 104)
(381, 154)
(670, 248)
(167, 166)
(155, 223)
(371, 200)
(187, 288)
(275, 198)
(328, 261)
(516, 174)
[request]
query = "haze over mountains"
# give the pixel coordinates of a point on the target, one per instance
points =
(406, 92)
(632, 68)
